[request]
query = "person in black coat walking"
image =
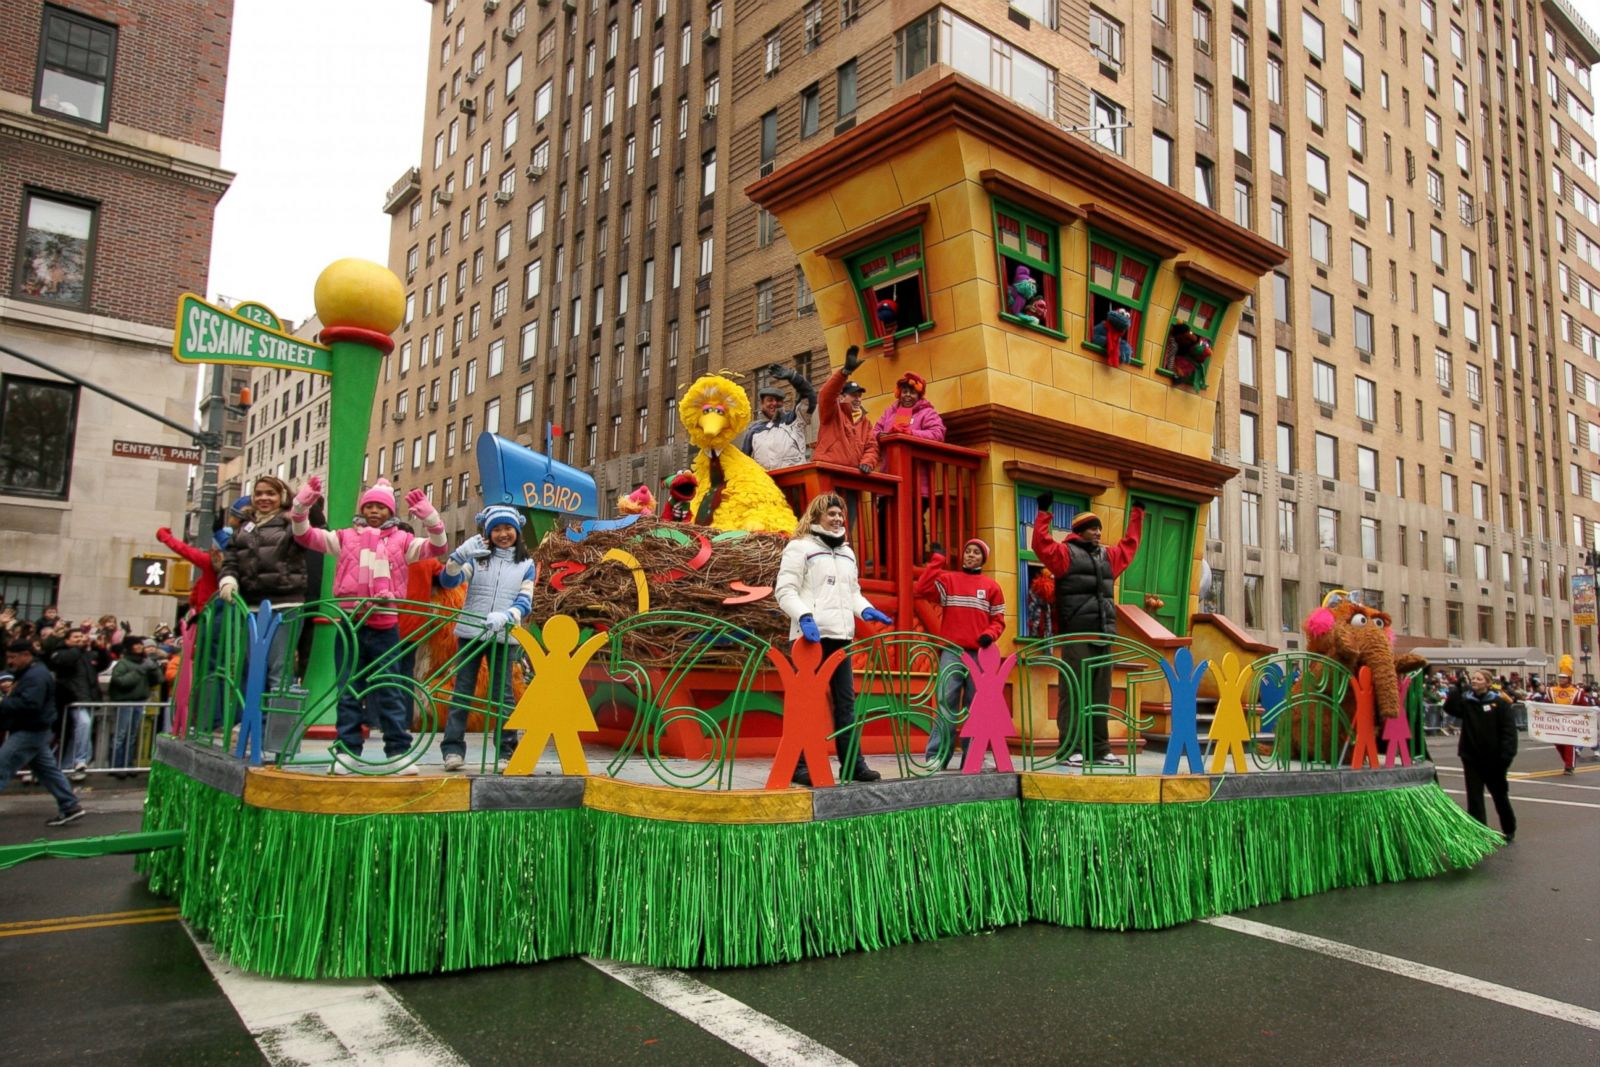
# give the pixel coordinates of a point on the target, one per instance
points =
(1488, 745)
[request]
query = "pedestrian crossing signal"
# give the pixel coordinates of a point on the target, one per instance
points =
(159, 574)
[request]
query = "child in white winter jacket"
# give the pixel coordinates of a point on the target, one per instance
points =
(500, 579)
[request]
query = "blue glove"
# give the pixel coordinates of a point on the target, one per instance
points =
(496, 621)
(874, 615)
(808, 628)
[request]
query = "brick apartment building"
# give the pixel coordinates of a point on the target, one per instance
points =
(110, 128)
(1413, 400)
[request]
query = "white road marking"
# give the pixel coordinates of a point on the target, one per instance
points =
(352, 1023)
(1421, 972)
(1527, 778)
(758, 1036)
(1520, 799)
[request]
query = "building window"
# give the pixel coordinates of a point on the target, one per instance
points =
(1202, 313)
(1367, 473)
(1107, 119)
(1327, 456)
(1328, 529)
(891, 287)
(845, 90)
(1285, 454)
(1161, 158)
(1029, 251)
(1248, 445)
(764, 305)
(1250, 519)
(942, 36)
(1288, 521)
(1324, 388)
(38, 423)
(810, 110)
(76, 58)
(1161, 79)
(55, 256)
(1119, 277)
(1105, 38)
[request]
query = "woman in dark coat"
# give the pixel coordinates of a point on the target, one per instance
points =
(1488, 745)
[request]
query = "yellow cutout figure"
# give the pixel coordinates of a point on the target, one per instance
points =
(1229, 729)
(553, 705)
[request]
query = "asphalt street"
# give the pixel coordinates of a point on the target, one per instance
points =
(1499, 964)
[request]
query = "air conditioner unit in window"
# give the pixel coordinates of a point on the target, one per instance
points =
(469, 106)
(570, 6)
(708, 112)
(472, 76)
(502, 196)
(642, 337)
(491, 6)
(710, 35)
(433, 405)
(508, 34)
(398, 416)
(446, 197)
(533, 171)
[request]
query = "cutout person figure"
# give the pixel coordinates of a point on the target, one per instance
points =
(1397, 732)
(806, 714)
(1364, 748)
(988, 724)
(1229, 728)
(553, 706)
(1183, 679)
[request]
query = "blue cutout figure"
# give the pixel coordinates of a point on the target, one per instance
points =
(1272, 690)
(1183, 678)
(263, 625)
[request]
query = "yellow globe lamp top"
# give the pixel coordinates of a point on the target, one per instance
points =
(359, 292)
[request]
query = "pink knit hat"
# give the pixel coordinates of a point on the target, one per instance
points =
(380, 493)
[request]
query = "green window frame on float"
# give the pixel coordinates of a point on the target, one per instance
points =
(1024, 239)
(892, 269)
(1118, 275)
(1028, 566)
(1203, 310)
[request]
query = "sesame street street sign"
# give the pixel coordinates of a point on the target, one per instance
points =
(209, 334)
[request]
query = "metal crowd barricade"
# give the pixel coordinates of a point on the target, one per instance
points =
(111, 737)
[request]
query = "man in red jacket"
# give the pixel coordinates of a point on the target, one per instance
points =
(845, 436)
(974, 615)
(1086, 574)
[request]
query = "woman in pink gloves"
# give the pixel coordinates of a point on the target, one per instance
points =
(372, 557)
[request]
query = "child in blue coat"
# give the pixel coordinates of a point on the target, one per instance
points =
(500, 579)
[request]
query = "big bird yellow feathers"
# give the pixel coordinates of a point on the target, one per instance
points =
(741, 495)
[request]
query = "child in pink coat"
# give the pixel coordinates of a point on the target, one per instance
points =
(372, 557)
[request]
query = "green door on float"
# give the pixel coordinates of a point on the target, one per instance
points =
(1162, 564)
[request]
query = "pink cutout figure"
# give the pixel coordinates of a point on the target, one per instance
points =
(180, 695)
(1397, 731)
(1364, 749)
(988, 724)
(807, 714)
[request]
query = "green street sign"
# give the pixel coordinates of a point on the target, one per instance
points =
(209, 334)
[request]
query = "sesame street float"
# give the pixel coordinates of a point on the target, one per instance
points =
(655, 654)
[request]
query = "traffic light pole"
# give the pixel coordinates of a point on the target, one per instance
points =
(213, 410)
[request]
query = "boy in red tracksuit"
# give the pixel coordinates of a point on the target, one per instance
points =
(205, 564)
(974, 615)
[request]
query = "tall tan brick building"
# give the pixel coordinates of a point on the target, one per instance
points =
(1412, 402)
(110, 129)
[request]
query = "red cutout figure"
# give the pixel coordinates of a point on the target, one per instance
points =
(988, 722)
(1364, 749)
(807, 715)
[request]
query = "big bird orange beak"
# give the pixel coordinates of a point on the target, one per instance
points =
(712, 424)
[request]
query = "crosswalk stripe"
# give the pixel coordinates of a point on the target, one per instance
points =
(1421, 972)
(761, 1037)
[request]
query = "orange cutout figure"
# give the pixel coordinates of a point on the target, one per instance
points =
(1364, 749)
(1229, 727)
(553, 705)
(807, 715)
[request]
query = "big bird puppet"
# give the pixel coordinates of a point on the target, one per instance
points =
(735, 492)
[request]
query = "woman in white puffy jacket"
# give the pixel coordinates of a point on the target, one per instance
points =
(820, 590)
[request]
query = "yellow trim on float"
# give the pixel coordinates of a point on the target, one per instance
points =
(1092, 789)
(732, 807)
(355, 794)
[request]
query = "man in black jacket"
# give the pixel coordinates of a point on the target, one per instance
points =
(1085, 572)
(77, 682)
(27, 715)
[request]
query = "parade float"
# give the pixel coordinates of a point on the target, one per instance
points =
(1055, 301)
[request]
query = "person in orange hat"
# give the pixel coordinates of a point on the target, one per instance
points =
(912, 412)
(1564, 692)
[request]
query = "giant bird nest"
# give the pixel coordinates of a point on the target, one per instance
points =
(604, 592)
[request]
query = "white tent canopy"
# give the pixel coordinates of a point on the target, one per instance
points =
(1485, 656)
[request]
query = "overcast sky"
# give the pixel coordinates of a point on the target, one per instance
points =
(324, 111)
